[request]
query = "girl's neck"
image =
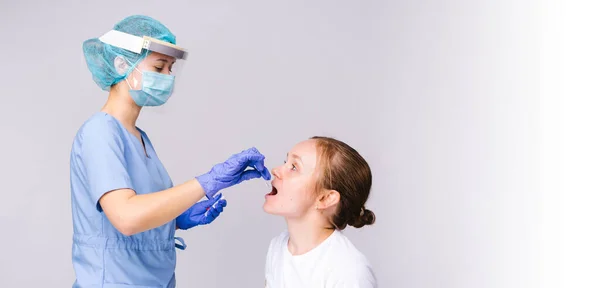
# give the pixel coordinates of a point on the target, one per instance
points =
(306, 234)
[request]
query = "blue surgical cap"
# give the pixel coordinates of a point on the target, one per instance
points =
(100, 56)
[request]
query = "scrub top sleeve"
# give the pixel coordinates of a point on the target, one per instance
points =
(103, 156)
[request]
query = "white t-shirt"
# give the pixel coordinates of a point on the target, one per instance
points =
(334, 263)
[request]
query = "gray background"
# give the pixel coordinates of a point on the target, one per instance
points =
(441, 97)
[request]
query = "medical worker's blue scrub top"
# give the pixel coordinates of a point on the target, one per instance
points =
(105, 157)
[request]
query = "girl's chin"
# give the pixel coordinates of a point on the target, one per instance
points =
(268, 209)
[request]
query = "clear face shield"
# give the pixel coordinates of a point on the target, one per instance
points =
(152, 79)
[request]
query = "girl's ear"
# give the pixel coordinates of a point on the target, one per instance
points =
(328, 199)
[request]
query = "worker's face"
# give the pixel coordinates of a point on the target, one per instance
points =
(293, 194)
(154, 62)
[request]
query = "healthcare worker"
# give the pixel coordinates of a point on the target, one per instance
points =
(125, 208)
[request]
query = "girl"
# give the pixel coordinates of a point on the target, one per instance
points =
(320, 189)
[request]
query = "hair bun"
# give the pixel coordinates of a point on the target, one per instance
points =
(366, 217)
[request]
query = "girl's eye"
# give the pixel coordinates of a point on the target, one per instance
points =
(293, 166)
(158, 68)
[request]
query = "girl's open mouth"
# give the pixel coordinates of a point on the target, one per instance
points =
(273, 192)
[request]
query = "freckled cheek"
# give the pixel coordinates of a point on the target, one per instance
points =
(288, 203)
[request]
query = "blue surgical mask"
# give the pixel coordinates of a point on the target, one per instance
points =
(156, 89)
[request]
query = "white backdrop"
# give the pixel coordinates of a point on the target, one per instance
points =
(456, 106)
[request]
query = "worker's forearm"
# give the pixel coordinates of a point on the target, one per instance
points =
(148, 211)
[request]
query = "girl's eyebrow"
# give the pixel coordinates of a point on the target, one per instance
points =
(296, 157)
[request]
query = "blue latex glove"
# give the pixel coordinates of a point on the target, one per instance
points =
(201, 213)
(233, 171)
